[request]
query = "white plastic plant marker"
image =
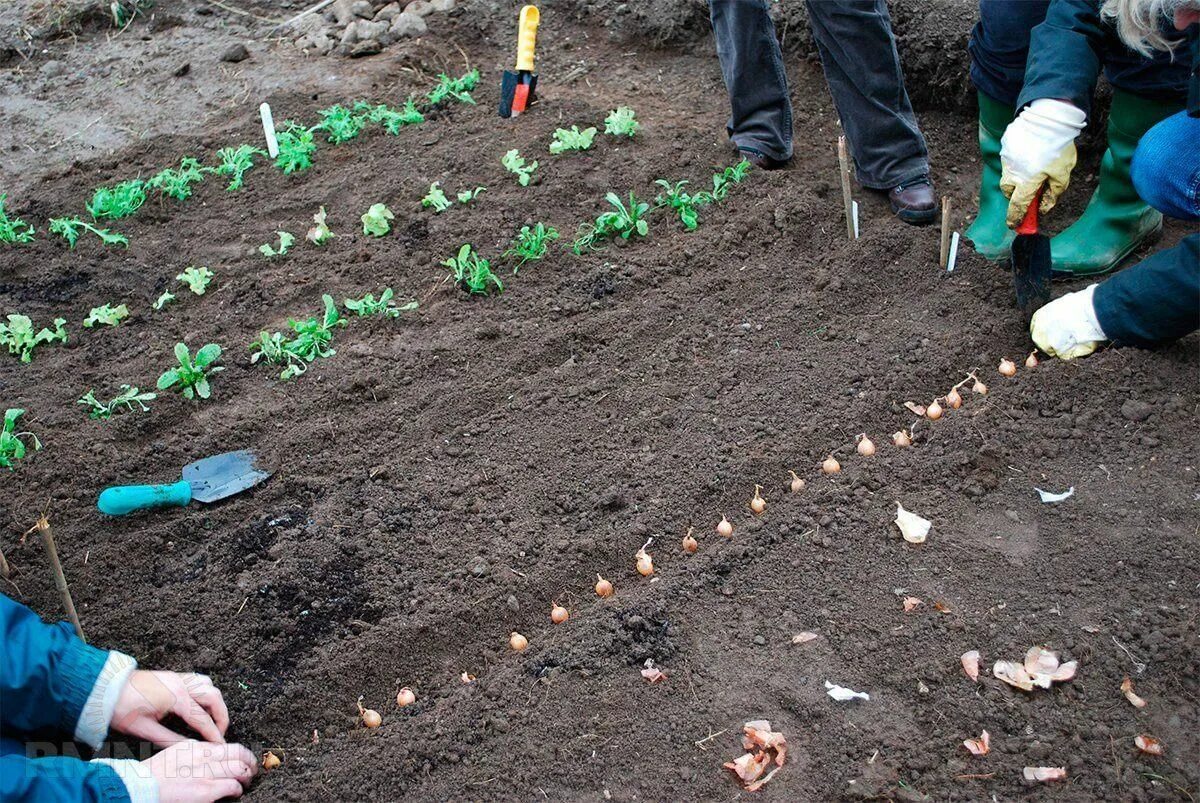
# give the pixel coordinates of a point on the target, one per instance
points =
(1053, 498)
(268, 122)
(843, 695)
(953, 253)
(854, 217)
(914, 528)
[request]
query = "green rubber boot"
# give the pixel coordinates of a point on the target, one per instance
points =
(1116, 220)
(990, 235)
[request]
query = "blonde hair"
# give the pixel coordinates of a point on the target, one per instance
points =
(1139, 22)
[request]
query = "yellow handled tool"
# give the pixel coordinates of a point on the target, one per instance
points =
(517, 87)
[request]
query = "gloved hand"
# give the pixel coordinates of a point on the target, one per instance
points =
(1067, 327)
(1038, 148)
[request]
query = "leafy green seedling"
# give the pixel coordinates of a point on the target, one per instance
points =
(191, 377)
(177, 182)
(285, 243)
(127, 398)
(685, 204)
(196, 279)
(367, 305)
(13, 229)
(624, 221)
(621, 122)
(467, 196)
(515, 163)
(71, 227)
(19, 337)
(235, 162)
(340, 124)
(391, 119)
(106, 315)
(312, 340)
(572, 140)
(376, 221)
(12, 448)
(118, 201)
(436, 198)
(457, 88)
(727, 177)
(319, 234)
(472, 272)
(296, 147)
(531, 244)
(166, 298)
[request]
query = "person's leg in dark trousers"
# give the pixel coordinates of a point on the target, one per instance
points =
(862, 67)
(752, 65)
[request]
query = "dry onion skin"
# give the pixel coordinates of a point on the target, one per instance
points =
(517, 641)
(405, 697)
(1127, 690)
(603, 587)
(558, 614)
(758, 504)
(797, 484)
(467, 678)
(866, 446)
(1148, 744)
(724, 527)
(1007, 367)
(831, 465)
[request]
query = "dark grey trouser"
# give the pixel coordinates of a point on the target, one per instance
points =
(862, 68)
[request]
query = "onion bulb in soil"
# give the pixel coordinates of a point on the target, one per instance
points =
(369, 716)
(1007, 367)
(270, 761)
(603, 587)
(902, 438)
(405, 697)
(517, 641)
(934, 411)
(558, 614)
(797, 484)
(831, 465)
(866, 446)
(758, 504)
(953, 399)
(467, 678)
(689, 543)
(1031, 361)
(979, 387)
(724, 527)
(645, 564)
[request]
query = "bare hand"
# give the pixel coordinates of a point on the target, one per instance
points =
(201, 772)
(150, 696)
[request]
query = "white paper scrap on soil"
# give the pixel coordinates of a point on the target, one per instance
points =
(1053, 498)
(912, 527)
(843, 695)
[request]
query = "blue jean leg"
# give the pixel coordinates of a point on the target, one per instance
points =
(1166, 167)
(1000, 43)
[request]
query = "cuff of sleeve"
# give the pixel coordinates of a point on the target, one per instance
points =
(1059, 111)
(76, 672)
(138, 781)
(97, 713)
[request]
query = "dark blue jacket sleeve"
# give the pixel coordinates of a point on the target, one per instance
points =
(58, 780)
(1065, 54)
(1155, 301)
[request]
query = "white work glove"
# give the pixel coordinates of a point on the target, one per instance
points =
(1067, 327)
(1038, 148)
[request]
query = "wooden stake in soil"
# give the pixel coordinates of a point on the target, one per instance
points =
(5, 571)
(944, 255)
(60, 579)
(844, 171)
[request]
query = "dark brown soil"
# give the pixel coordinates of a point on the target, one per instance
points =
(447, 476)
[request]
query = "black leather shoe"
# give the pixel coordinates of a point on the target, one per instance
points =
(915, 202)
(761, 160)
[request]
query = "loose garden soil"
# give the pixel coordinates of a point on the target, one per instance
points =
(449, 475)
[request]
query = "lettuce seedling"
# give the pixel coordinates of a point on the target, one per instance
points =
(235, 162)
(514, 163)
(620, 122)
(472, 272)
(118, 201)
(367, 305)
(340, 124)
(196, 279)
(391, 119)
(127, 398)
(466, 196)
(685, 204)
(285, 243)
(191, 377)
(166, 298)
(727, 177)
(319, 234)
(457, 88)
(623, 221)
(107, 315)
(376, 220)
(13, 229)
(19, 337)
(573, 140)
(71, 227)
(177, 183)
(312, 340)
(531, 244)
(12, 448)
(296, 147)
(436, 198)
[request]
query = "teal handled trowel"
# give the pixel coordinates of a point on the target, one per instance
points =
(205, 481)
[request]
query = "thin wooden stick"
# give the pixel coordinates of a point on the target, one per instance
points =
(5, 569)
(844, 163)
(304, 13)
(944, 257)
(60, 579)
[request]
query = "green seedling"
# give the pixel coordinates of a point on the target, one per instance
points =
(285, 243)
(472, 272)
(312, 340)
(296, 147)
(166, 298)
(391, 119)
(177, 182)
(515, 163)
(126, 399)
(12, 448)
(196, 279)
(340, 124)
(436, 198)
(191, 377)
(13, 229)
(572, 140)
(624, 221)
(106, 315)
(727, 177)
(531, 244)
(319, 234)
(620, 122)
(377, 220)
(685, 204)
(123, 11)
(457, 88)
(367, 305)
(118, 201)
(21, 340)
(467, 196)
(235, 162)
(71, 227)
